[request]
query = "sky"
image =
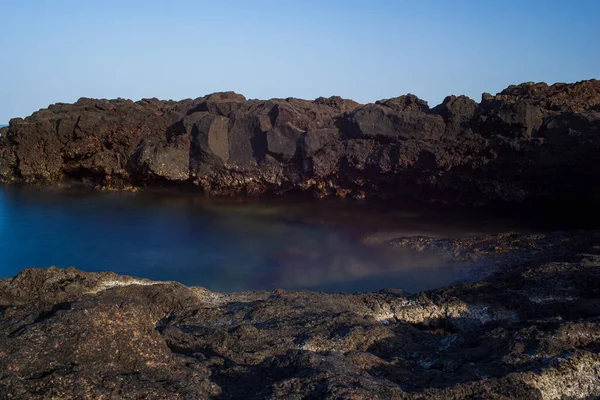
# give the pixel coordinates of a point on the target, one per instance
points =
(58, 51)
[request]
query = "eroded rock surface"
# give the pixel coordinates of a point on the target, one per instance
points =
(531, 331)
(529, 142)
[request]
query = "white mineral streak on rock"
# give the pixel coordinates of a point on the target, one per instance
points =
(106, 285)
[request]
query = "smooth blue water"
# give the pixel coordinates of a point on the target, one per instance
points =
(225, 244)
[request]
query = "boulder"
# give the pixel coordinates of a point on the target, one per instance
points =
(409, 102)
(516, 118)
(168, 161)
(282, 141)
(459, 114)
(375, 121)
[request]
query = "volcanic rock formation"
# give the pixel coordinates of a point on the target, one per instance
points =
(532, 331)
(529, 142)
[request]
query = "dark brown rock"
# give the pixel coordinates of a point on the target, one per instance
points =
(385, 123)
(409, 102)
(459, 113)
(560, 97)
(165, 160)
(510, 118)
(531, 330)
(315, 140)
(530, 142)
(283, 141)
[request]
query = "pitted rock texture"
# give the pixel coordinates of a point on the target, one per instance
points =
(532, 331)
(529, 142)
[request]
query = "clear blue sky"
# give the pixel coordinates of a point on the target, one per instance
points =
(58, 51)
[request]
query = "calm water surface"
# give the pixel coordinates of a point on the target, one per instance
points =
(228, 244)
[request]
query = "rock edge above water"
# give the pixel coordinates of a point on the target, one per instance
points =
(532, 331)
(529, 142)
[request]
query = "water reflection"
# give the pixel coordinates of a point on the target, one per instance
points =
(227, 244)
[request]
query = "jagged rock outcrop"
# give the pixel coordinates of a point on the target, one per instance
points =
(532, 331)
(529, 142)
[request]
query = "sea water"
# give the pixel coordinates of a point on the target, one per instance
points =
(230, 244)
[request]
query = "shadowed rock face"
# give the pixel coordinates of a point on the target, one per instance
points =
(532, 331)
(531, 141)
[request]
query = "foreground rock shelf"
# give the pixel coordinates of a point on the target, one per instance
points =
(529, 142)
(531, 331)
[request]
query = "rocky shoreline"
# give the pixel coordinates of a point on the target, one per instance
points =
(530, 142)
(530, 331)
